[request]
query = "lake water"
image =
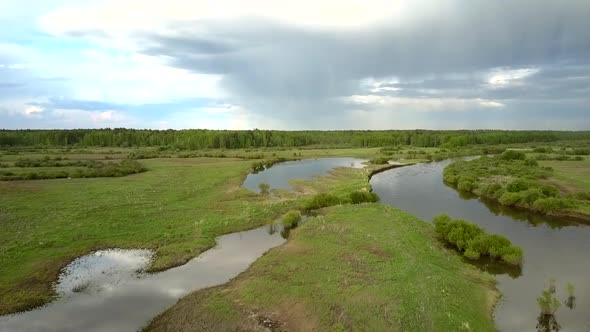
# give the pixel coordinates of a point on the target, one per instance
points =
(278, 176)
(106, 290)
(552, 248)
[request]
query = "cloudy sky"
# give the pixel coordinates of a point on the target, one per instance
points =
(306, 64)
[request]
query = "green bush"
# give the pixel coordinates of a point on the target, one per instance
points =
(465, 185)
(518, 185)
(473, 242)
(291, 218)
(321, 200)
(379, 160)
(264, 188)
(513, 155)
(512, 255)
(358, 197)
(531, 162)
(553, 204)
(549, 191)
(510, 198)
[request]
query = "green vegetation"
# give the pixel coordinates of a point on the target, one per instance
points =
(354, 267)
(178, 207)
(291, 218)
(512, 179)
(264, 188)
(321, 201)
(30, 169)
(379, 161)
(358, 197)
(220, 139)
(473, 242)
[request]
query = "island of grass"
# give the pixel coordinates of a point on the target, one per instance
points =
(362, 267)
(515, 179)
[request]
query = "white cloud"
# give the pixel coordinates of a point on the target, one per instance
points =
(32, 111)
(77, 118)
(501, 77)
(117, 16)
(421, 104)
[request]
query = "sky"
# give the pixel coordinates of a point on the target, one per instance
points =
(292, 65)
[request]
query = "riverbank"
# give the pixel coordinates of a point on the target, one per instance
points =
(368, 267)
(524, 183)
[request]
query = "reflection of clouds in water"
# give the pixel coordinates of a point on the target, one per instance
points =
(101, 270)
(127, 300)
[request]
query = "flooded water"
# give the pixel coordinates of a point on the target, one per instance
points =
(278, 176)
(553, 248)
(107, 290)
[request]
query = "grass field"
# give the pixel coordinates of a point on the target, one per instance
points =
(572, 177)
(366, 258)
(177, 207)
(367, 267)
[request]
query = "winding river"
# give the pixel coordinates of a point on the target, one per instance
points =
(106, 290)
(553, 248)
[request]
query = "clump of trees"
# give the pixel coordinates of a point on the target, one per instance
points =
(361, 196)
(234, 139)
(510, 179)
(472, 241)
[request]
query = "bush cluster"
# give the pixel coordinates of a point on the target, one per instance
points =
(357, 197)
(490, 178)
(321, 201)
(291, 218)
(472, 241)
(379, 160)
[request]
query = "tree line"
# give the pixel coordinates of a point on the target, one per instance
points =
(232, 139)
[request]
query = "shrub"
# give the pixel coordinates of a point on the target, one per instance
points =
(496, 245)
(581, 151)
(379, 160)
(492, 189)
(291, 218)
(466, 185)
(471, 254)
(509, 198)
(264, 188)
(553, 204)
(321, 200)
(358, 197)
(531, 162)
(549, 191)
(518, 185)
(512, 255)
(512, 155)
(473, 242)
(531, 195)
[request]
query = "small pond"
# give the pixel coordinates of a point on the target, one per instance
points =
(107, 290)
(553, 248)
(278, 176)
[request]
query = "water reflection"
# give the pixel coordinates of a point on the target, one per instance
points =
(126, 301)
(552, 247)
(277, 176)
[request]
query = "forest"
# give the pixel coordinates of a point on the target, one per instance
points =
(226, 139)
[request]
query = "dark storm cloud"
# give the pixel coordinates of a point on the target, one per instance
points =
(476, 35)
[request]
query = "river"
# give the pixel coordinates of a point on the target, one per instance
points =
(552, 248)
